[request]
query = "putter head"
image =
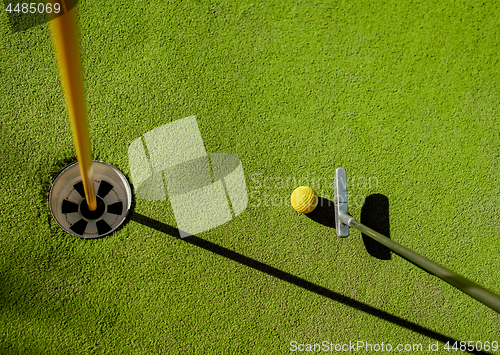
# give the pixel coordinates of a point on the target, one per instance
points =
(340, 202)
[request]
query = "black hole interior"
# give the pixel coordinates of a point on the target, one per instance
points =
(99, 211)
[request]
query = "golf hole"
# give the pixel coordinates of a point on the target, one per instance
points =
(69, 208)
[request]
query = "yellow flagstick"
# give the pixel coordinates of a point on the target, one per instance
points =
(64, 38)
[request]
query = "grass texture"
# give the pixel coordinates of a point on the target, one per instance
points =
(403, 94)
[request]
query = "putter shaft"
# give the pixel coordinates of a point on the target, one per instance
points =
(344, 221)
(467, 286)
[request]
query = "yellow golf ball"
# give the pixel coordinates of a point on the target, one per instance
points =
(304, 199)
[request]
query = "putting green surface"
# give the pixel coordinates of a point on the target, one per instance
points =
(403, 94)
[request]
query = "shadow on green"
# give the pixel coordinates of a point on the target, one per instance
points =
(375, 215)
(33, 16)
(324, 213)
(292, 279)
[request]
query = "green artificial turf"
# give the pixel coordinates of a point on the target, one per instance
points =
(403, 94)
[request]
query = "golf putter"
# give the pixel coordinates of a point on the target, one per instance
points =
(343, 221)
